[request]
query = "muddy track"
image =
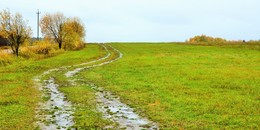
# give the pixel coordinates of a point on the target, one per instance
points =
(57, 113)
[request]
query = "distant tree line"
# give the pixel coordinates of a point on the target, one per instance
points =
(216, 40)
(68, 33)
(204, 38)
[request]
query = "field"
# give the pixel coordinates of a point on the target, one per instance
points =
(176, 85)
(187, 86)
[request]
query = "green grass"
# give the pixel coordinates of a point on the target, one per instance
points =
(176, 85)
(18, 93)
(187, 86)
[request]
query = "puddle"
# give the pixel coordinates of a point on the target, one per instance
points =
(124, 115)
(57, 110)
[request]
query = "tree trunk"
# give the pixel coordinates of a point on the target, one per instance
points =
(59, 45)
(16, 51)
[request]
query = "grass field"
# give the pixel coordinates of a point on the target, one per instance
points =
(18, 94)
(187, 86)
(177, 85)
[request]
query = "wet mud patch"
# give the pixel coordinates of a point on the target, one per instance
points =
(56, 111)
(116, 111)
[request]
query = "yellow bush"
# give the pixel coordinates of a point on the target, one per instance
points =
(206, 39)
(40, 50)
(73, 42)
(5, 58)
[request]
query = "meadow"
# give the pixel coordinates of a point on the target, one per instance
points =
(184, 86)
(179, 86)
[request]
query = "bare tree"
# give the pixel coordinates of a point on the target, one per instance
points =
(52, 26)
(14, 29)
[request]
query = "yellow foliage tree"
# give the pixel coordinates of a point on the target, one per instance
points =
(67, 32)
(75, 34)
(14, 29)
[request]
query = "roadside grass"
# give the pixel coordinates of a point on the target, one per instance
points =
(18, 94)
(184, 86)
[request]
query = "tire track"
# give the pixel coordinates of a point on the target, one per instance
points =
(111, 106)
(61, 110)
(56, 112)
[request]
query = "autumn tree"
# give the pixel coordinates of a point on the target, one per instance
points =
(14, 29)
(52, 26)
(74, 25)
(75, 34)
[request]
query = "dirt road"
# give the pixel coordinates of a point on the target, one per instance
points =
(57, 113)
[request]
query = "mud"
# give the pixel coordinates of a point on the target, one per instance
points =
(113, 109)
(57, 111)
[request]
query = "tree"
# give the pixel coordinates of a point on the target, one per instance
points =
(74, 25)
(14, 29)
(75, 34)
(52, 26)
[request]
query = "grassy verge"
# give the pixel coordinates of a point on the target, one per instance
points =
(19, 97)
(187, 86)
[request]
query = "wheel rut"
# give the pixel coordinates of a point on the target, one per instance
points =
(56, 112)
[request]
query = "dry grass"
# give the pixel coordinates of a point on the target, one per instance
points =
(5, 58)
(40, 50)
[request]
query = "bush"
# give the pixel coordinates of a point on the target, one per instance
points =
(40, 50)
(5, 58)
(206, 39)
(73, 42)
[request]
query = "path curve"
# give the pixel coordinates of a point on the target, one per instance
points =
(110, 105)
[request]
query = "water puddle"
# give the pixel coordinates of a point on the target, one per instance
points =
(57, 111)
(113, 109)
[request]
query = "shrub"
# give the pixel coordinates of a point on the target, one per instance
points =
(73, 42)
(206, 39)
(5, 58)
(40, 50)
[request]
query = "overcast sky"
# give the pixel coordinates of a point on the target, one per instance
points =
(151, 20)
